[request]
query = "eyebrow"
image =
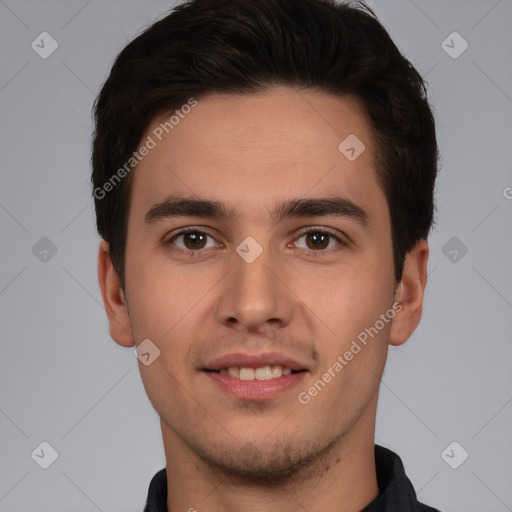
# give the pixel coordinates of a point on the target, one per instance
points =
(179, 206)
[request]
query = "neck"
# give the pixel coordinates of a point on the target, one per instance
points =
(342, 479)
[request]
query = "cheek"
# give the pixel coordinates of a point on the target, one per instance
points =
(168, 305)
(355, 352)
(162, 310)
(351, 298)
(159, 296)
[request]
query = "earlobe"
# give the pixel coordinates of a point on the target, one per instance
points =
(409, 294)
(114, 299)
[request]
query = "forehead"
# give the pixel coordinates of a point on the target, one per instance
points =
(247, 150)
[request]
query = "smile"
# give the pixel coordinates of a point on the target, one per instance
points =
(261, 373)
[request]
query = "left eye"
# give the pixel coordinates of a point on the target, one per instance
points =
(318, 240)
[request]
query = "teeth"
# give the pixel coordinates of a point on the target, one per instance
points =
(234, 371)
(246, 373)
(262, 373)
(277, 371)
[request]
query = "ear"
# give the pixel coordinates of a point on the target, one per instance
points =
(409, 294)
(114, 299)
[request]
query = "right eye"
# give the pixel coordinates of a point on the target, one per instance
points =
(192, 241)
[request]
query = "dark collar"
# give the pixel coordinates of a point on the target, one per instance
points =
(396, 493)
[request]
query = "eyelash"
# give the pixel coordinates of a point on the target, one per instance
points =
(190, 253)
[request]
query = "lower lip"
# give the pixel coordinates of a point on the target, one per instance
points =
(256, 389)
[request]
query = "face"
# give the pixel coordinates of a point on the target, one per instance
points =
(291, 277)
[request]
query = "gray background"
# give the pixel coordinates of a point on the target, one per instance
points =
(64, 381)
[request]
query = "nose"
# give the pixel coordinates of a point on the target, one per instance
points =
(255, 296)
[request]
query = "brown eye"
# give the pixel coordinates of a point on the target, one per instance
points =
(317, 240)
(190, 241)
(194, 240)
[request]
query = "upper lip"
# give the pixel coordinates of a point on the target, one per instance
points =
(245, 360)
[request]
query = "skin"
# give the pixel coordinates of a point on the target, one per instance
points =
(252, 152)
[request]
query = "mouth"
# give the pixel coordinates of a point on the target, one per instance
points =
(255, 377)
(268, 372)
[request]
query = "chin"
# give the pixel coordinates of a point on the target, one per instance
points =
(266, 462)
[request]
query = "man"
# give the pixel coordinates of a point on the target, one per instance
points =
(263, 177)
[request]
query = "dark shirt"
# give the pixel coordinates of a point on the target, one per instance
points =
(396, 493)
